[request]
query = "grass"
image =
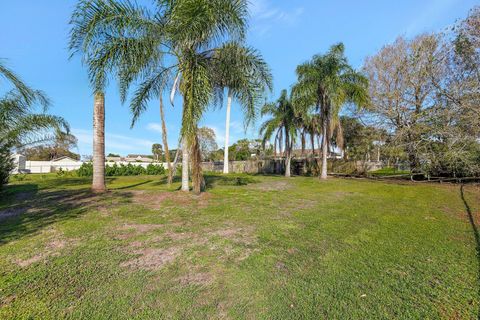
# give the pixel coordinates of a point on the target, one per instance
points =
(388, 172)
(251, 247)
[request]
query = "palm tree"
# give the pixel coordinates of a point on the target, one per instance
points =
(157, 150)
(326, 83)
(246, 76)
(23, 120)
(86, 38)
(173, 43)
(283, 123)
(20, 122)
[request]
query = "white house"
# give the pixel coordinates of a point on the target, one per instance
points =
(19, 162)
(66, 163)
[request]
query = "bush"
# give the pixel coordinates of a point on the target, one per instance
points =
(86, 170)
(6, 164)
(154, 170)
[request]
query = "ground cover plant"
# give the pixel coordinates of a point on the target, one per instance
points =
(250, 247)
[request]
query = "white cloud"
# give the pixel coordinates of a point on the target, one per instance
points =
(265, 15)
(157, 127)
(116, 143)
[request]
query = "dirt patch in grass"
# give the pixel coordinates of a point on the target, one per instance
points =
(152, 258)
(271, 186)
(157, 200)
(128, 231)
(196, 278)
(235, 234)
(53, 248)
(237, 246)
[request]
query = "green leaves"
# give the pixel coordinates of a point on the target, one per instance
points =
(19, 124)
(245, 73)
(326, 83)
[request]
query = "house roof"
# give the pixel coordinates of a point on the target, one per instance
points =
(64, 158)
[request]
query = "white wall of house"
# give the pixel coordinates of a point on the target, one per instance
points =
(19, 161)
(52, 166)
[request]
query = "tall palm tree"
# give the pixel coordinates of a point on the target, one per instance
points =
(86, 39)
(173, 42)
(246, 76)
(326, 83)
(283, 123)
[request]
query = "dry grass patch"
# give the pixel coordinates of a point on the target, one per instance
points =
(272, 186)
(156, 200)
(52, 248)
(175, 243)
(152, 258)
(196, 278)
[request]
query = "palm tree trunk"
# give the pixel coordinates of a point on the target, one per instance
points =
(324, 151)
(174, 166)
(227, 132)
(198, 181)
(302, 138)
(185, 186)
(165, 139)
(98, 183)
(312, 141)
(288, 150)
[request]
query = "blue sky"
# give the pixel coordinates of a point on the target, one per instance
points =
(34, 36)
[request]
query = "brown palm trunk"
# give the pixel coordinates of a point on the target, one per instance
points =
(98, 183)
(165, 142)
(324, 151)
(174, 166)
(312, 141)
(288, 150)
(198, 181)
(185, 164)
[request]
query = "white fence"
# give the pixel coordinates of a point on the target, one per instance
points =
(53, 166)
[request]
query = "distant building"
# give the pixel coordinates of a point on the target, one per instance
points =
(114, 159)
(19, 162)
(139, 158)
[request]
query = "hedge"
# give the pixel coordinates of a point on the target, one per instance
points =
(86, 170)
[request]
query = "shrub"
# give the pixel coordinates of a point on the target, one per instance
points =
(6, 164)
(86, 170)
(153, 169)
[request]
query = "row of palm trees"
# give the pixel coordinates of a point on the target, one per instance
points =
(195, 48)
(191, 47)
(325, 84)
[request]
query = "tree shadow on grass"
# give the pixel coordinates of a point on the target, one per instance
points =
(133, 185)
(476, 234)
(32, 211)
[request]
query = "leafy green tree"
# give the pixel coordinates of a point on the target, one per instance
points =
(325, 84)
(283, 123)
(157, 151)
(208, 143)
(113, 155)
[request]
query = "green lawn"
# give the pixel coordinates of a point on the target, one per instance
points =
(252, 247)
